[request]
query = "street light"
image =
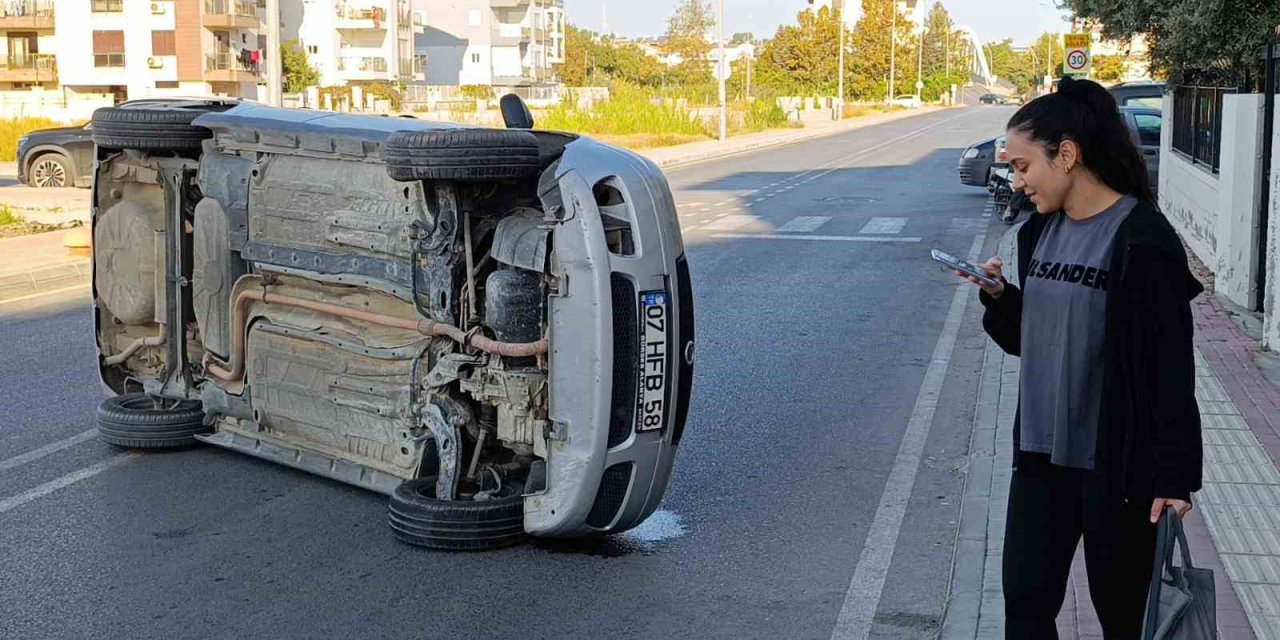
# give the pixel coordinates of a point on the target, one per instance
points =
(721, 71)
(839, 6)
(893, 49)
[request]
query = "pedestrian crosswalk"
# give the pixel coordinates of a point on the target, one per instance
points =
(884, 226)
(883, 229)
(803, 224)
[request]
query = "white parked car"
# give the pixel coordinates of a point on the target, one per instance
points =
(908, 101)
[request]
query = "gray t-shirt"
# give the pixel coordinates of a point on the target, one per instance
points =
(1064, 308)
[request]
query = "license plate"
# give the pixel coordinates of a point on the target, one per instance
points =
(654, 316)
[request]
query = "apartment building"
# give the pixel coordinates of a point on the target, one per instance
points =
(27, 39)
(502, 43)
(354, 41)
(130, 49)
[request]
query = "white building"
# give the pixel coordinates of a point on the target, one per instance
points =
(354, 41)
(138, 48)
(501, 43)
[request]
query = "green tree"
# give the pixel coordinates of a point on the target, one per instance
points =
(687, 31)
(1049, 57)
(944, 51)
(742, 37)
(1108, 69)
(871, 44)
(802, 58)
(296, 68)
(1189, 38)
(578, 47)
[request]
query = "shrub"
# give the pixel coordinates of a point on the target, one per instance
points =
(12, 129)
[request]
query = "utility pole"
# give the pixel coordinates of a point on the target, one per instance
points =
(721, 69)
(275, 92)
(839, 6)
(920, 63)
(893, 48)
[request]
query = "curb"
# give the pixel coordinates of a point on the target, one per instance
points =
(24, 284)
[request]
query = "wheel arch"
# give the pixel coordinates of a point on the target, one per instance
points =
(45, 149)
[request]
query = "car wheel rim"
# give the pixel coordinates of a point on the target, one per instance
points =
(49, 173)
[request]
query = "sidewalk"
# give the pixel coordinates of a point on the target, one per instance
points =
(37, 264)
(1234, 529)
(668, 157)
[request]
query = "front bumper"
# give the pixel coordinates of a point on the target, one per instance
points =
(603, 476)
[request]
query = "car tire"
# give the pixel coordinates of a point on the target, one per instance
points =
(152, 129)
(467, 155)
(50, 171)
(418, 518)
(134, 421)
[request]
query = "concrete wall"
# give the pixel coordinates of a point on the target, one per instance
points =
(1271, 297)
(1217, 214)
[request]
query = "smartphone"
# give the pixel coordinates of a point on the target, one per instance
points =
(964, 267)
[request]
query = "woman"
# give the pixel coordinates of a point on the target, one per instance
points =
(1108, 430)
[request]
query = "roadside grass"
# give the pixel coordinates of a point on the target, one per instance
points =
(13, 128)
(8, 217)
(634, 119)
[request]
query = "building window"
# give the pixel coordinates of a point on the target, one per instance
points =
(107, 6)
(313, 50)
(108, 48)
(166, 84)
(475, 58)
(163, 43)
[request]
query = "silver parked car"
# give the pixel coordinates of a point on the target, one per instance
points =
(494, 327)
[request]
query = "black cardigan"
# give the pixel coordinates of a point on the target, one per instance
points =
(1149, 431)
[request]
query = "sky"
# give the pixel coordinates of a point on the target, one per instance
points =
(993, 20)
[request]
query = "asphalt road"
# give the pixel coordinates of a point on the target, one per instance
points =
(822, 329)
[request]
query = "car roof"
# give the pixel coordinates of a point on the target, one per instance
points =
(1143, 110)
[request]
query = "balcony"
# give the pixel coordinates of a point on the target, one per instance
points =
(38, 67)
(362, 17)
(507, 35)
(107, 6)
(26, 14)
(364, 68)
(230, 14)
(228, 67)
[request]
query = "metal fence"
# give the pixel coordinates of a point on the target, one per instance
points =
(1197, 123)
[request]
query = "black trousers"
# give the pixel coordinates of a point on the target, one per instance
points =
(1050, 509)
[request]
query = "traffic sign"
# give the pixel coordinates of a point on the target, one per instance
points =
(1079, 60)
(723, 69)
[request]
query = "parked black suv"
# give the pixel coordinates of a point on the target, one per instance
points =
(63, 157)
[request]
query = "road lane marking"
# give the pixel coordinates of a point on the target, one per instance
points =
(774, 236)
(729, 223)
(804, 224)
(67, 480)
(36, 454)
(863, 597)
(884, 226)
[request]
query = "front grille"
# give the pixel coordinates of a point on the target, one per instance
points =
(965, 174)
(609, 497)
(684, 297)
(626, 345)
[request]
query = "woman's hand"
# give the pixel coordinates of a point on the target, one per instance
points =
(993, 268)
(1158, 506)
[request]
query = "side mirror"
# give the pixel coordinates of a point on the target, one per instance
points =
(515, 113)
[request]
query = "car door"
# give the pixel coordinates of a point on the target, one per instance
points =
(1148, 125)
(81, 151)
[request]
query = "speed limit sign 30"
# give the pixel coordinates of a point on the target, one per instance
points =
(1077, 47)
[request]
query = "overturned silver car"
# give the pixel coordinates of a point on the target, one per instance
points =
(494, 327)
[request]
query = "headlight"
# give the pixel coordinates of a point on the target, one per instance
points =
(971, 152)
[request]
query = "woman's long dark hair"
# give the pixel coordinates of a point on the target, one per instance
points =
(1084, 112)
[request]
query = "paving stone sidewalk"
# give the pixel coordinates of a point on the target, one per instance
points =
(1234, 530)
